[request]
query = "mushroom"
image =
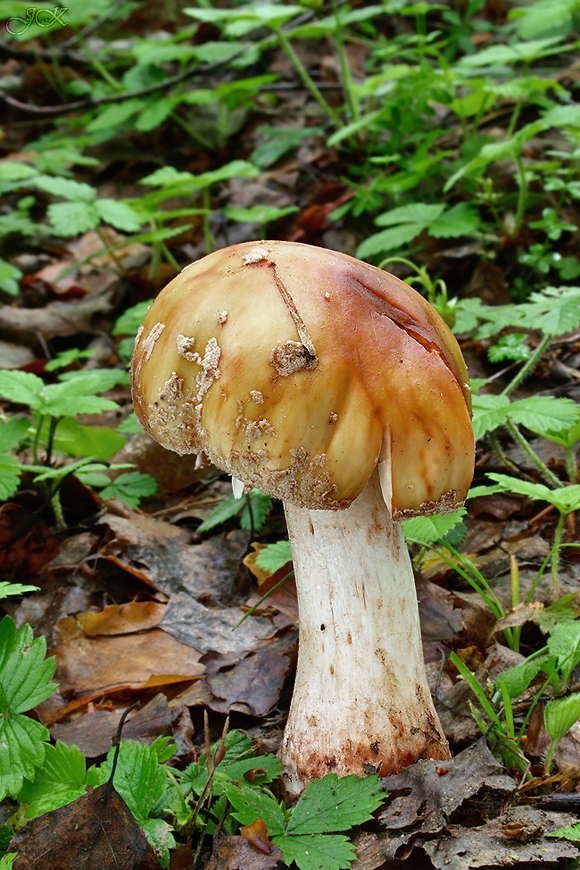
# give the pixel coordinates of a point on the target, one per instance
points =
(335, 387)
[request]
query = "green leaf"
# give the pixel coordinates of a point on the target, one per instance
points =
(274, 556)
(24, 388)
(277, 141)
(155, 114)
(489, 412)
(25, 675)
(316, 851)
(460, 220)
(564, 643)
(561, 714)
(139, 777)
(10, 278)
(415, 213)
(513, 346)
(74, 191)
(7, 589)
(544, 414)
(517, 52)
(76, 439)
(131, 487)
(13, 432)
(68, 399)
(554, 310)
(119, 215)
(10, 473)
(517, 679)
(249, 804)
(565, 498)
(73, 218)
(159, 834)
(388, 240)
(115, 115)
(260, 214)
(228, 508)
(333, 804)
(130, 320)
(558, 613)
(254, 515)
(425, 530)
(572, 833)
(60, 780)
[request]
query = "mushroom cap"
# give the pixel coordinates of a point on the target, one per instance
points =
(298, 369)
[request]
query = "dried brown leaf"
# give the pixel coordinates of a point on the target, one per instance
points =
(425, 794)
(235, 853)
(95, 832)
(516, 838)
(85, 664)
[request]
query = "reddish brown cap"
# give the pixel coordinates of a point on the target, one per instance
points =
(297, 369)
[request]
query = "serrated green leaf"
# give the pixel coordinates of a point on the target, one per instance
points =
(564, 643)
(74, 191)
(131, 487)
(517, 679)
(459, 220)
(261, 214)
(12, 432)
(228, 508)
(24, 388)
(60, 780)
(274, 556)
(388, 240)
(10, 171)
(115, 115)
(7, 589)
(72, 397)
(130, 320)
(76, 439)
(561, 714)
(73, 218)
(249, 804)
(316, 851)
(161, 839)
(139, 777)
(554, 310)
(10, 474)
(9, 278)
(565, 498)
(545, 413)
(572, 833)
(119, 215)
(558, 613)
(25, 675)
(513, 346)
(489, 412)
(523, 487)
(332, 804)
(425, 530)
(155, 114)
(415, 213)
(254, 515)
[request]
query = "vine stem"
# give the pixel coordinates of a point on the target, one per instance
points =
(527, 368)
(304, 75)
(525, 445)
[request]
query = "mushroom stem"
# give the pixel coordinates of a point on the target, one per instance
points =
(361, 701)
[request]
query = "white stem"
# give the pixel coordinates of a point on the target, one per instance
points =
(361, 701)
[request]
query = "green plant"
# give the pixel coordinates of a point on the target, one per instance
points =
(52, 428)
(556, 663)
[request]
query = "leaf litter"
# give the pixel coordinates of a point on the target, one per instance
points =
(138, 607)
